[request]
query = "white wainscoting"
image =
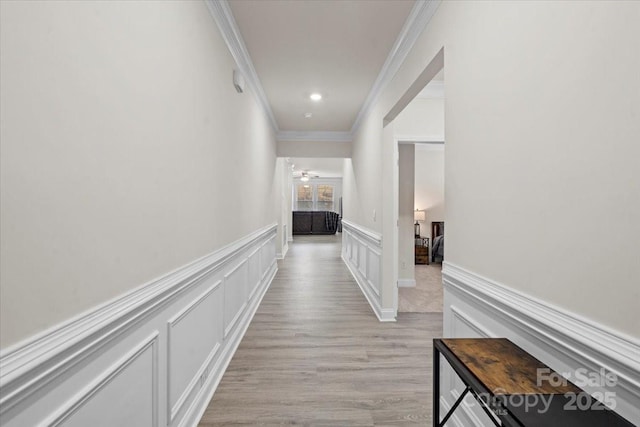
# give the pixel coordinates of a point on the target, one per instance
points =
(362, 252)
(282, 253)
(153, 357)
(478, 307)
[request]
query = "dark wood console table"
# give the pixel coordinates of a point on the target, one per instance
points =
(503, 378)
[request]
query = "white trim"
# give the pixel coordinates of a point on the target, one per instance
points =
(568, 330)
(362, 254)
(564, 338)
(388, 315)
(473, 324)
(256, 253)
(283, 254)
(236, 317)
(416, 22)
(363, 232)
(172, 411)
(420, 139)
(221, 13)
(264, 274)
(314, 136)
(406, 283)
(418, 19)
(85, 395)
(202, 399)
(383, 315)
(32, 364)
(373, 302)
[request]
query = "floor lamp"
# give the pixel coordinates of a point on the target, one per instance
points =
(418, 215)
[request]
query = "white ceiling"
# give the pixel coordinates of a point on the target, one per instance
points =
(336, 48)
(325, 168)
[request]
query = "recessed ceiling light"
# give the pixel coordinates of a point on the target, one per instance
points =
(308, 115)
(315, 97)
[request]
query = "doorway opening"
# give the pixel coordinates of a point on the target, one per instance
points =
(421, 201)
(316, 199)
(417, 125)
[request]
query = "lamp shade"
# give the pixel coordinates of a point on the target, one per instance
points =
(418, 215)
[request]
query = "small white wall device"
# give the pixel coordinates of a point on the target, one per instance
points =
(238, 81)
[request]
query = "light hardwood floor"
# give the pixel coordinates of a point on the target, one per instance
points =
(315, 354)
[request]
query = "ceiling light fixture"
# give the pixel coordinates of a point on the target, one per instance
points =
(304, 177)
(315, 97)
(307, 115)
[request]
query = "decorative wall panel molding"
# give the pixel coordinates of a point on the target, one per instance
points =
(475, 306)
(189, 322)
(135, 375)
(189, 352)
(361, 252)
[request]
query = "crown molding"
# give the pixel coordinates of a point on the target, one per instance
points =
(222, 15)
(415, 24)
(324, 136)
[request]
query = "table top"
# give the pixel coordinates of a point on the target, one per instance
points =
(511, 374)
(503, 367)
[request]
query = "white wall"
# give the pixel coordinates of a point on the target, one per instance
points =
(542, 123)
(553, 140)
(314, 149)
(429, 185)
(126, 153)
(406, 234)
(282, 205)
(289, 206)
(422, 119)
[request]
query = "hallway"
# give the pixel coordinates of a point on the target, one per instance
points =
(315, 354)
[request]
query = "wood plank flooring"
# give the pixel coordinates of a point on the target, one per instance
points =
(315, 354)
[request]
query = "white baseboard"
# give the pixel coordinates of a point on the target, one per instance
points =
(475, 307)
(200, 404)
(156, 353)
(283, 254)
(361, 253)
(406, 283)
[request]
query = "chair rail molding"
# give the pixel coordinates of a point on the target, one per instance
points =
(476, 306)
(47, 372)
